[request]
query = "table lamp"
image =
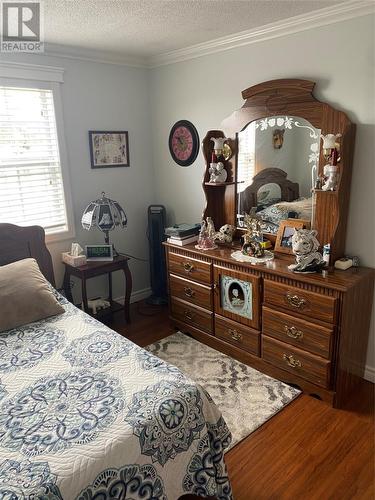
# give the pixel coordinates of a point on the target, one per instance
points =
(104, 214)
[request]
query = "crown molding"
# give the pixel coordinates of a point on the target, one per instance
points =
(27, 71)
(322, 17)
(91, 55)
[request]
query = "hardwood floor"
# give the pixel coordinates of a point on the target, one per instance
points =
(307, 451)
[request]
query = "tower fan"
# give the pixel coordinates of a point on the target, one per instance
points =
(156, 236)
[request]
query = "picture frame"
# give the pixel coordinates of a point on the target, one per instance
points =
(109, 149)
(283, 242)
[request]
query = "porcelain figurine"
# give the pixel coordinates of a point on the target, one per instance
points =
(305, 247)
(252, 248)
(225, 234)
(211, 231)
(97, 304)
(253, 236)
(206, 236)
(217, 172)
(330, 173)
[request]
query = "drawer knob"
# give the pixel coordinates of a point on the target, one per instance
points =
(188, 315)
(291, 361)
(188, 266)
(293, 332)
(235, 335)
(189, 292)
(295, 301)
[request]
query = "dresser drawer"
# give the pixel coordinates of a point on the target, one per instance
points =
(302, 334)
(191, 315)
(294, 360)
(300, 301)
(193, 269)
(195, 293)
(240, 336)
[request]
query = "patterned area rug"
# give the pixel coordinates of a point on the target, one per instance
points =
(246, 398)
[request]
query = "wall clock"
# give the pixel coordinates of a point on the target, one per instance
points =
(183, 143)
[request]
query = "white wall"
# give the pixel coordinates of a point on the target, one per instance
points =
(339, 58)
(99, 96)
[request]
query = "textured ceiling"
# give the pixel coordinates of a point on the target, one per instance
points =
(145, 28)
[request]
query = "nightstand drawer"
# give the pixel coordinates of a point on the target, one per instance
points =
(240, 336)
(298, 332)
(195, 293)
(194, 269)
(305, 365)
(191, 315)
(300, 301)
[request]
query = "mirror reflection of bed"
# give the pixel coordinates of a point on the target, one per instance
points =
(276, 156)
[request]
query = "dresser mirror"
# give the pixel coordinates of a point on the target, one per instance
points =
(277, 154)
(277, 158)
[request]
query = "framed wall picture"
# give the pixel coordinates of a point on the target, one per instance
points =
(286, 230)
(108, 149)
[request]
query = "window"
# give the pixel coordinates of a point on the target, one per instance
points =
(31, 177)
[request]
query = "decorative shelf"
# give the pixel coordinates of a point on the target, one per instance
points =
(218, 184)
(323, 191)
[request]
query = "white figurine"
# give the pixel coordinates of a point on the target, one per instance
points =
(97, 304)
(330, 172)
(305, 248)
(217, 172)
(221, 173)
(212, 171)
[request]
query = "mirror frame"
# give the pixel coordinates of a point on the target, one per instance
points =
(292, 97)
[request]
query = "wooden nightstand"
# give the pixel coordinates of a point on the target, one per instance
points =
(98, 268)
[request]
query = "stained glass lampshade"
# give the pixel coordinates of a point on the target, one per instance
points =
(104, 214)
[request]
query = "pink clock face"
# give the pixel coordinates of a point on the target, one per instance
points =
(182, 143)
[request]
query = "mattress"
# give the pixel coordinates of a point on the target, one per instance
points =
(85, 413)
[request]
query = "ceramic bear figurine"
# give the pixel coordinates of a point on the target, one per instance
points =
(305, 248)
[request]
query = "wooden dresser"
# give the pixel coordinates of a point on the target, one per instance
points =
(307, 330)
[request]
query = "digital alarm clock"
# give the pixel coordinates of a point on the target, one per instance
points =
(99, 252)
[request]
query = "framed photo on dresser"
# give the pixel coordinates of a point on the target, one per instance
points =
(109, 149)
(285, 233)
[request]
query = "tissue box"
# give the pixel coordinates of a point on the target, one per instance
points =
(72, 260)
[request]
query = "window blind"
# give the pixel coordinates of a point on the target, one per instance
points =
(246, 159)
(31, 185)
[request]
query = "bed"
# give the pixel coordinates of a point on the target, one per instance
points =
(85, 413)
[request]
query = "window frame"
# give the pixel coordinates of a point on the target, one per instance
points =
(64, 163)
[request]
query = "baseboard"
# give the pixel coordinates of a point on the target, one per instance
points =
(369, 374)
(136, 296)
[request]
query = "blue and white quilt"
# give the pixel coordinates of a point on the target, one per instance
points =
(86, 414)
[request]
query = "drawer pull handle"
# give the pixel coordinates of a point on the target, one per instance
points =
(291, 361)
(235, 335)
(292, 332)
(188, 315)
(189, 292)
(295, 301)
(188, 267)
